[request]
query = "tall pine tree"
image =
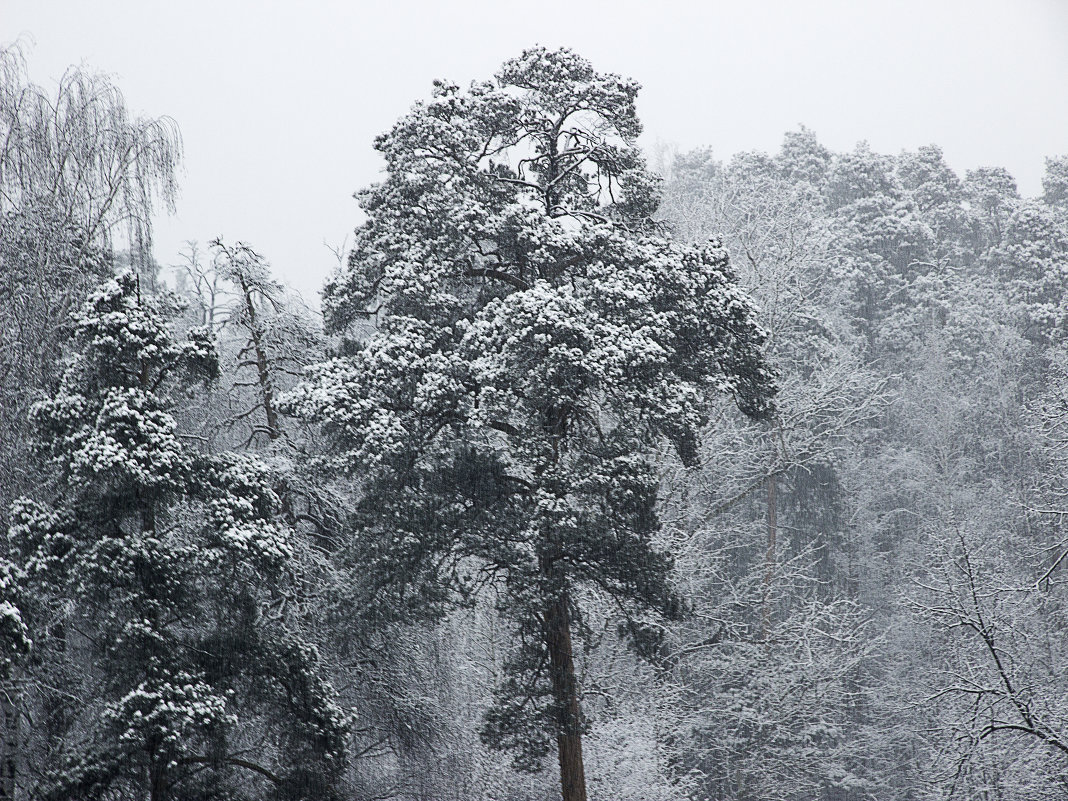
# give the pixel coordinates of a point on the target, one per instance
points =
(534, 341)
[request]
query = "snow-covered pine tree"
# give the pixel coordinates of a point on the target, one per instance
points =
(535, 343)
(152, 577)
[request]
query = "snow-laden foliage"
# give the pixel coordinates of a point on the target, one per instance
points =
(544, 503)
(536, 338)
(80, 177)
(154, 564)
(916, 320)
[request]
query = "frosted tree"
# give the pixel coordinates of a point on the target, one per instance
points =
(998, 686)
(535, 341)
(81, 156)
(776, 653)
(267, 337)
(155, 578)
(80, 177)
(1030, 264)
(994, 596)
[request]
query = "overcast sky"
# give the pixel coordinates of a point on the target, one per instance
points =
(278, 103)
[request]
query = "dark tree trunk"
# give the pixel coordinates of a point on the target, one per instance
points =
(8, 768)
(157, 790)
(565, 695)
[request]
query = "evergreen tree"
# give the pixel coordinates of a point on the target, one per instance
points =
(535, 341)
(151, 576)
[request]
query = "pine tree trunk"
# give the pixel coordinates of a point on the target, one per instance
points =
(10, 747)
(565, 694)
(158, 781)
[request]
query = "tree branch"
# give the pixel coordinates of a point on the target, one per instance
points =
(508, 278)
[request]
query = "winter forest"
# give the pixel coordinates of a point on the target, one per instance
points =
(593, 474)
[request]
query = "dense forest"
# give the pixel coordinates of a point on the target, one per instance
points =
(734, 479)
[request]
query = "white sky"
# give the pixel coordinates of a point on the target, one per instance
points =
(278, 103)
